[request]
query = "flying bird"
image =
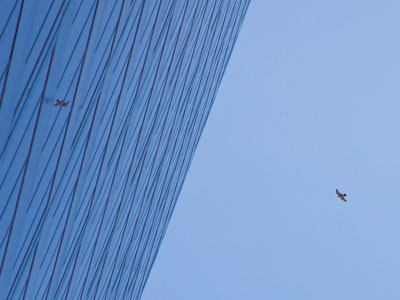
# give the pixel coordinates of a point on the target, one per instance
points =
(340, 195)
(61, 103)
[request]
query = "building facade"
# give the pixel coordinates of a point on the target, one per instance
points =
(102, 106)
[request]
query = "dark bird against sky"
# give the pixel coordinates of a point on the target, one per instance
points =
(340, 195)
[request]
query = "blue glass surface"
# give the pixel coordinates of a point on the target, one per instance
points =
(87, 188)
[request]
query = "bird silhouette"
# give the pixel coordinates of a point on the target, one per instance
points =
(341, 196)
(61, 103)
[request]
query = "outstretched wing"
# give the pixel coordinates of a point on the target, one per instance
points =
(340, 195)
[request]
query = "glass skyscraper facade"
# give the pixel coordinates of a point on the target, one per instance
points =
(102, 104)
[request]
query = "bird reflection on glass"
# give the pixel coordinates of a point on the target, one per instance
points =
(61, 103)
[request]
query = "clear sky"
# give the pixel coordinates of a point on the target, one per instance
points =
(310, 102)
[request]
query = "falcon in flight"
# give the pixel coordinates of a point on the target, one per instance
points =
(61, 103)
(340, 195)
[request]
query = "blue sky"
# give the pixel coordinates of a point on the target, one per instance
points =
(309, 103)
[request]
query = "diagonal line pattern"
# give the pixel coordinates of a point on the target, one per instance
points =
(87, 189)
